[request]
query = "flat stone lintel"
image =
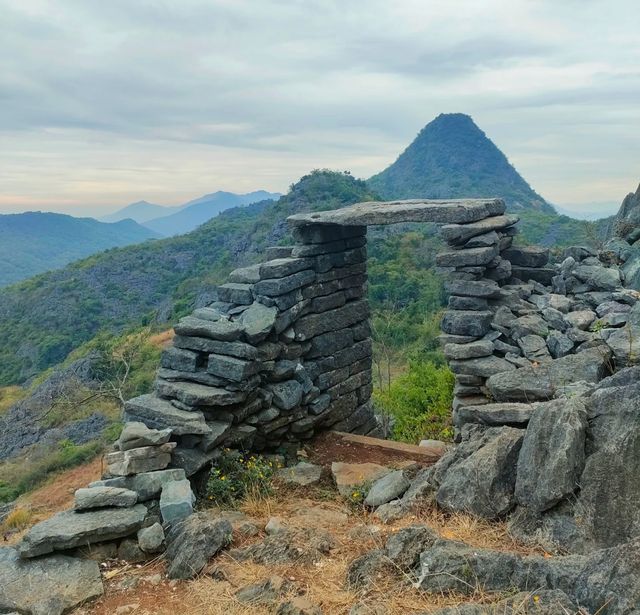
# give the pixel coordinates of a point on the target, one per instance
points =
(452, 211)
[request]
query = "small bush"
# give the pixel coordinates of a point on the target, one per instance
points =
(17, 519)
(420, 403)
(237, 477)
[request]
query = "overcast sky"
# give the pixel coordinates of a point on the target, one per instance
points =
(107, 102)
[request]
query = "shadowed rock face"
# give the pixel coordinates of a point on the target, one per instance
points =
(50, 585)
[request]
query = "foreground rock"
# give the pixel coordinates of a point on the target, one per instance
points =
(302, 474)
(48, 585)
(544, 602)
(349, 476)
(70, 529)
(100, 497)
(552, 456)
(480, 478)
(193, 542)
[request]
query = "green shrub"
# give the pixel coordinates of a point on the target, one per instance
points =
(420, 402)
(236, 477)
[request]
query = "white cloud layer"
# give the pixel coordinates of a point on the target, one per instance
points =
(104, 103)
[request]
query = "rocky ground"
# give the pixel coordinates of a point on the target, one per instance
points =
(295, 548)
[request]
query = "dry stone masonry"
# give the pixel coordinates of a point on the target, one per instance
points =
(545, 411)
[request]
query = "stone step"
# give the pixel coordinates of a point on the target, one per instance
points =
(430, 454)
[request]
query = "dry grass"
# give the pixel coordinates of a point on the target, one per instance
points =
(18, 519)
(162, 339)
(324, 582)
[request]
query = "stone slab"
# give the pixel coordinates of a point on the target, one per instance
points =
(454, 211)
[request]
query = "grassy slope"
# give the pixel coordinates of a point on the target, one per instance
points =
(46, 317)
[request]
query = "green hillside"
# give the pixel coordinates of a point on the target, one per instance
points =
(33, 242)
(44, 318)
(452, 158)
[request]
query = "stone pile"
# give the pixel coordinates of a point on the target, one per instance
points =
(124, 516)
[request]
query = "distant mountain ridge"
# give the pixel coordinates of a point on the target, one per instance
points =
(141, 212)
(34, 242)
(452, 158)
(194, 213)
(44, 318)
(179, 219)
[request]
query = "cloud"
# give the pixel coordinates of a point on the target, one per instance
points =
(107, 102)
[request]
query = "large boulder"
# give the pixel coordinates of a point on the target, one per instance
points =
(609, 583)
(610, 490)
(69, 529)
(552, 455)
(47, 585)
(541, 382)
(483, 482)
(453, 566)
(192, 542)
(625, 342)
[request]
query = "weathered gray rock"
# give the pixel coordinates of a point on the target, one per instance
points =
(460, 233)
(610, 491)
(625, 342)
(473, 288)
(368, 569)
(599, 277)
(552, 455)
(610, 580)
(138, 460)
(282, 267)
(483, 366)
(176, 501)
(242, 350)
(580, 319)
(483, 483)
(462, 322)
(281, 286)
(158, 413)
(234, 292)
(222, 329)
(302, 474)
(100, 497)
(467, 303)
(315, 324)
(541, 382)
(151, 539)
(527, 256)
(387, 488)
(454, 211)
(192, 460)
(180, 359)
(403, 547)
(530, 324)
(471, 257)
(48, 585)
(559, 344)
(147, 485)
(69, 529)
(230, 368)
(286, 395)
(258, 321)
(193, 542)
(193, 394)
(481, 348)
(130, 552)
(534, 348)
(265, 592)
(135, 434)
(512, 414)
(453, 566)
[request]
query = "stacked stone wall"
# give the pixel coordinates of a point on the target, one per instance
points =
(284, 352)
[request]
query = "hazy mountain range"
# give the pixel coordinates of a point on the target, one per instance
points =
(43, 319)
(34, 242)
(170, 221)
